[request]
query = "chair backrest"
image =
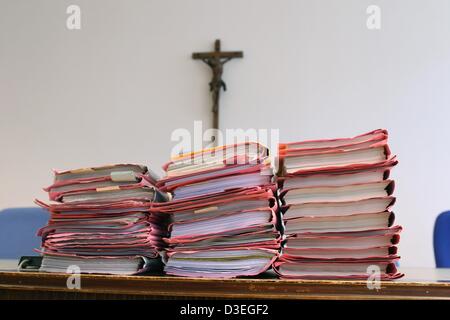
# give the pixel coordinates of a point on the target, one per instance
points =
(18, 227)
(442, 240)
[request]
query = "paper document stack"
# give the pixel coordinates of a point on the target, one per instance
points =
(101, 221)
(223, 212)
(336, 200)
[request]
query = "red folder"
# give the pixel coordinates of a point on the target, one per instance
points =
(352, 270)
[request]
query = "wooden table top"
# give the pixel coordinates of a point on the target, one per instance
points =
(418, 283)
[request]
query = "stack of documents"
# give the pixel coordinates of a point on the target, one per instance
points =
(223, 212)
(101, 220)
(336, 197)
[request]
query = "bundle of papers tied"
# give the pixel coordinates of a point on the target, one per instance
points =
(336, 199)
(101, 221)
(223, 214)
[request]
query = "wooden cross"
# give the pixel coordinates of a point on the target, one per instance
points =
(216, 59)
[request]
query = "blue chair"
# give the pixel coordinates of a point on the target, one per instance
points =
(442, 240)
(18, 227)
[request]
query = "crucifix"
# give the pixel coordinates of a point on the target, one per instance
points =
(215, 60)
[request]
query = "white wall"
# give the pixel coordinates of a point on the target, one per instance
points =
(115, 90)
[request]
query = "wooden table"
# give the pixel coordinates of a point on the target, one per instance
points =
(417, 284)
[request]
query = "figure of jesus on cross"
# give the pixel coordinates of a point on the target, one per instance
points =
(216, 60)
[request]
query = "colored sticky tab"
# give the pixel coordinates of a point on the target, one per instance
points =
(82, 170)
(123, 176)
(205, 210)
(113, 188)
